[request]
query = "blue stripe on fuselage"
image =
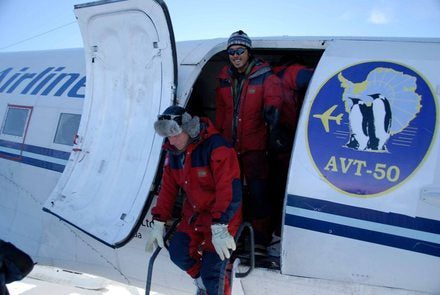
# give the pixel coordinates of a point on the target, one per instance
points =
(391, 229)
(33, 161)
(35, 149)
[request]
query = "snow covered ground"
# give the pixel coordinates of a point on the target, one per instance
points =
(46, 280)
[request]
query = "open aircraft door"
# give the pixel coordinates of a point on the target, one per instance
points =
(131, 77)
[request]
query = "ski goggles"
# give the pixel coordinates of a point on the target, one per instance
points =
(176, 118)
(238, 51)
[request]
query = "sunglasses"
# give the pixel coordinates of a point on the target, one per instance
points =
(238, 51)
(177, 118)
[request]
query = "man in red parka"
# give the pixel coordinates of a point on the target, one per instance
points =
(248, 99)
(202, 163)
(295, 79)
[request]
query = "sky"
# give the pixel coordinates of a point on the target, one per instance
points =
(50, 24)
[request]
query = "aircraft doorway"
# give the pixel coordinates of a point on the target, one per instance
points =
(202, 103)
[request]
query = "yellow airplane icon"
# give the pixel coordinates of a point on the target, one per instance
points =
(326, 117)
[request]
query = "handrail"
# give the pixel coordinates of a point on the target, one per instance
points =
(252, 255)
(252, 248)
(154, 255)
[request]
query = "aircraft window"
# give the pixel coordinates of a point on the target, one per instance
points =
(67, 128)
(15, 122)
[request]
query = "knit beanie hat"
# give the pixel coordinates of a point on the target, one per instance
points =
(239, 38)
(174, 120)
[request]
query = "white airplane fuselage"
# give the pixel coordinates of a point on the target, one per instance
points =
(352, 221)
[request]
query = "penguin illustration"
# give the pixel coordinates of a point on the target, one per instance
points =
(359, 118)
(382, 120)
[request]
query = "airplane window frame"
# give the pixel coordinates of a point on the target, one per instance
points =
(61, 133)
(25, 122)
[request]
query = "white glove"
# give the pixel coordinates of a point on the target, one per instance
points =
(222, 240)
(156, 236)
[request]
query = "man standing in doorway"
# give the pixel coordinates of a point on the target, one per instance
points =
(248, 100)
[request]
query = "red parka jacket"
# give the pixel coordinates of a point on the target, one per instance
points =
(260, 100)
(295, 79)
(209, 173)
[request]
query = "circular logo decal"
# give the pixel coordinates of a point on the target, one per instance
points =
(370, 126)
